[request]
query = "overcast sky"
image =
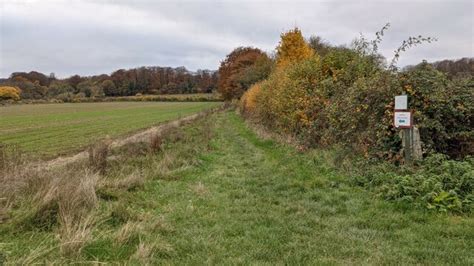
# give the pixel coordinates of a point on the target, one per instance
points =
(94, 37)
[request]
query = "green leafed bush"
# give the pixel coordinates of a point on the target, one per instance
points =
(439, 183)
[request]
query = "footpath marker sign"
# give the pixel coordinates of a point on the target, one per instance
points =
(401, 102)
(402, 119)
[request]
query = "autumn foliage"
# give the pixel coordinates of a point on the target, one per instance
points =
(249, 99)
(123, 82)
(242, 67)
(345, 98)
(9, 93)
(292, 48)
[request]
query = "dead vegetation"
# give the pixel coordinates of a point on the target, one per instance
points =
(130, 231)
(143, 253)
(155, 143)
(98, 155)
(200, 189)
(60, 201)
(130, 182)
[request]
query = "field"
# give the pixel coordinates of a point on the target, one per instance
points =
(52, 129)
(217, 193)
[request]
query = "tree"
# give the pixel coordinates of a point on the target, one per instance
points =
(109, 88)
(123, 82)
(9, 93)
(232, 68)
(59, 87)
(33, 77)
(33, 90)
(320, 46)
(74, 81)
(260, 70)
(461, 68)
(96, 91)
(85, 87)
(292, 48)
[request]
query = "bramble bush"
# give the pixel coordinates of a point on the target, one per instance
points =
(443, 110)
(345, 98)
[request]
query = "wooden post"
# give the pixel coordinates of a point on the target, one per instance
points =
(416, 152)
(407, 144)
(411, 144)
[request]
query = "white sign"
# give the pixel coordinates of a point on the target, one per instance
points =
(401, 102)
(402, 119)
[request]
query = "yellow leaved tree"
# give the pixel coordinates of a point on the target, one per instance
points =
(9, 93)
(292, 48)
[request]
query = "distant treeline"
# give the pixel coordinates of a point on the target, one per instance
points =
(453, 68)
(142, 80)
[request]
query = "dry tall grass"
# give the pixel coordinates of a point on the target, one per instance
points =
(129, 182)
(156, 141)
(12, 178)
(65, 203)
(98, 156)
(128, 232)
(143, 253)
(56, 199)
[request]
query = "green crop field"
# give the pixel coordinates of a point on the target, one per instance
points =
(52, 129)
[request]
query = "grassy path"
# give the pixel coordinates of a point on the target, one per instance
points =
(256, 201)
(238, 199)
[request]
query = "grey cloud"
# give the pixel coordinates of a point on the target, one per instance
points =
(92, 37)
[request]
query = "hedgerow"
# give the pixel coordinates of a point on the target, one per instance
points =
(345, 98)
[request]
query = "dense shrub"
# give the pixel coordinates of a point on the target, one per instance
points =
(58, 89)
(327, 101)
(346, 97)
(9, 93)
(444, 110)
(249, 99)
(439, 183)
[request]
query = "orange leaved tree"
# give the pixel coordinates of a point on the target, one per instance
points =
(234, 80)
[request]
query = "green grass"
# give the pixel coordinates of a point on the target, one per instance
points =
(230, 197)
(51, 129)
